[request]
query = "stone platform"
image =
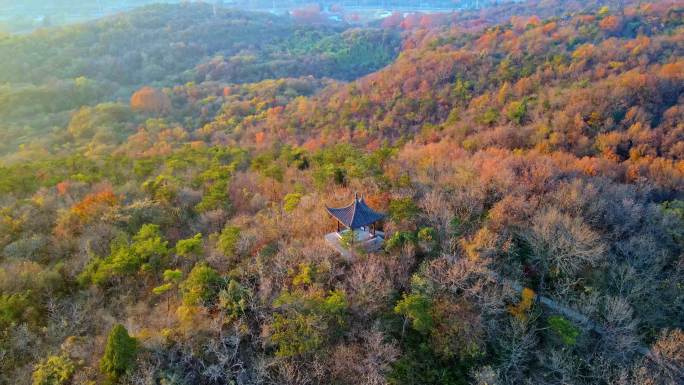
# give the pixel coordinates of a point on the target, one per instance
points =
(368, 242)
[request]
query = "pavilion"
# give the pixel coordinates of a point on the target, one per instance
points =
(360, 219)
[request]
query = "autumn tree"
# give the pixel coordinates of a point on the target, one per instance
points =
(55, 370)
(563, 245)
(150, 100)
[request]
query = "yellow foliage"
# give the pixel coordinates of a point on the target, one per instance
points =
(188, 315)
(483, 244)
(504, 92)
(523, 307)
(145, 334)
(585, 51)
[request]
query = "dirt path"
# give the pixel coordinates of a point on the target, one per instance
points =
(588, 324)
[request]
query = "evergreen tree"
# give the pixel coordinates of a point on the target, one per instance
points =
(120, 353)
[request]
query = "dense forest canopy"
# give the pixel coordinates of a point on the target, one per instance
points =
(45, 75)
(165, 172)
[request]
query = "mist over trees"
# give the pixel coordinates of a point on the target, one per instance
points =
(26, 16)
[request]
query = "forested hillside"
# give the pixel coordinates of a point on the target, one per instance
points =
(169, 229)
(45, 75)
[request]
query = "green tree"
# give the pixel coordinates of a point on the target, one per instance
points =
(228, 240)
(189, 247)
(427, 239)
(567, 332)
(291, 202)
(516, 111)
(675, 209)
(215, 197)
(120, 353)
(55, 370)
(149, 246)
(416, 308)
(146, 252)
(108, 118)
(202, 286)
(462, 90)
(403, 209)
(489, 117)
(329, 172)
(162, 188)
(233, 300)
(348, 237)
(172, 279)
(275, 172)
(297, 334)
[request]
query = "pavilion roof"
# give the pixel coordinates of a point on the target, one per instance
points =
(355, 215)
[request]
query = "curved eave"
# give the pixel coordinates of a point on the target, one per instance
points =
(355, 215)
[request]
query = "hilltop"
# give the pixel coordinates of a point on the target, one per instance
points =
(170, 229)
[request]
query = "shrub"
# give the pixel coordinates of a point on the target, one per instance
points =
(564, 328)
(305, 276)
(291, 202)
(297, 334)
(308, 321)
(55, 370)
(17, 308)
(399, 239)
(233, 299)
(403, 209)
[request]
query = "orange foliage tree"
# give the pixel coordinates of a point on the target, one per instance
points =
(610, 23)
(150, 100)
(94, 204)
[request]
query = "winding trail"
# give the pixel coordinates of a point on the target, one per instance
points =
(588, 324)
